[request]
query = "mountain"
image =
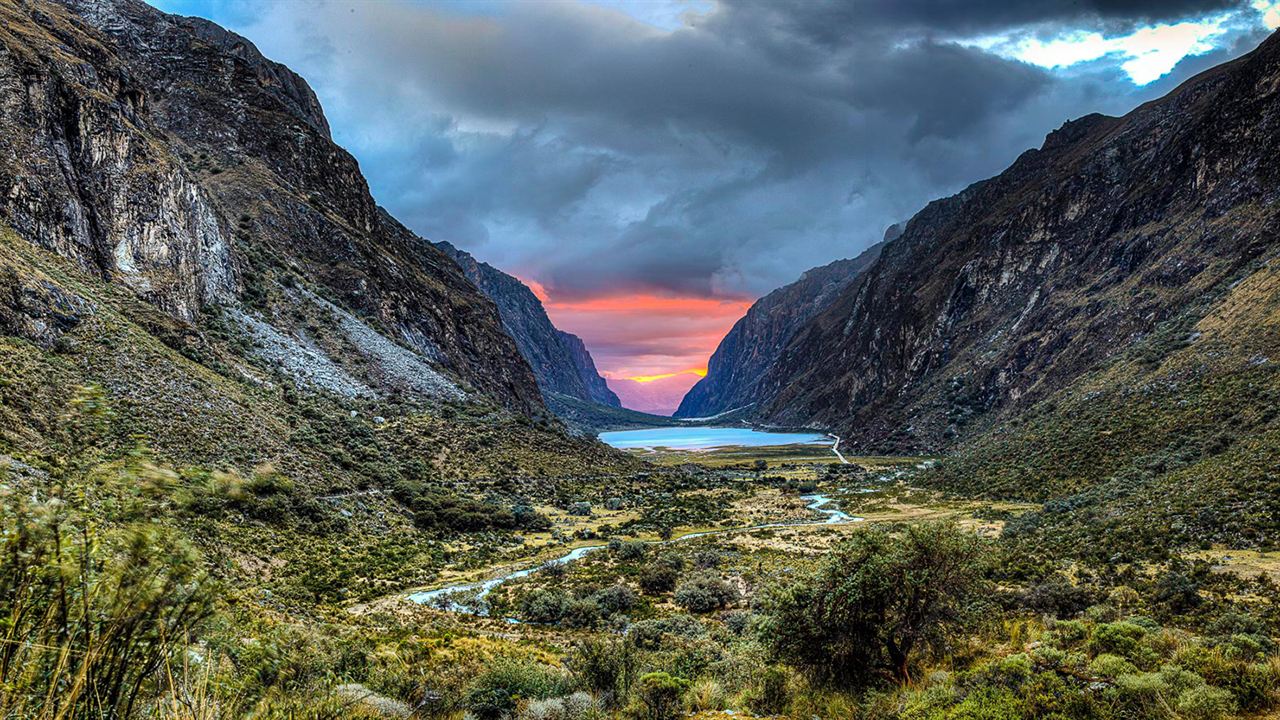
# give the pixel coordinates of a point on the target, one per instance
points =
(560, 361)
(182, 243)
(597, 388)
(996, 297)
(1094, 328)
(167, 155)
(751, 346)
(659, 397)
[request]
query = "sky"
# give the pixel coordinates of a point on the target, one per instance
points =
(653, 166)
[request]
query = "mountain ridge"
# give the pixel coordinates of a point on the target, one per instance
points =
(191, 169)
(1004, 293)
(560, 360)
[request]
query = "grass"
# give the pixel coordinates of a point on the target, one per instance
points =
(1174, 444)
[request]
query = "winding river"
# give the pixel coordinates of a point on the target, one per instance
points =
(469, 598)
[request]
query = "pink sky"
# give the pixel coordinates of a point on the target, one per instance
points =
(651, 347)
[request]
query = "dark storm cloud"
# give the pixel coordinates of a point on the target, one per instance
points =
(834, 22)
(598, 154)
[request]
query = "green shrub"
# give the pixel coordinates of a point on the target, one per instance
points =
(772, 692)
(704, 593)
(660, 695)
(652, 634)
(1205, 703)
(1121, 638)
(605, 666)
(660, 576)
(546, 607)
(878, 601)
(1110, 666)
(616, 599)
(497, 691)
(91, 616)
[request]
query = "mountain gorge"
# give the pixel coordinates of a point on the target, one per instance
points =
(267, 453)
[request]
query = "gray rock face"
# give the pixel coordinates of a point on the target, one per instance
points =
(753, 344)
(560, 360)
(597, 389)
(80, 178)
(1001, 295)
(169, 155)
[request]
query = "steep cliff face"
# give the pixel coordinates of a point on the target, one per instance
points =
(597, 389)
(167, 154)
(745, 354)
(559, 360)
(1001, 295)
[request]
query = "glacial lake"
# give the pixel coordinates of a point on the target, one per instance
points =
(704, 438)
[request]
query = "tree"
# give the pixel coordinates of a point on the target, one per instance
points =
(878, 600)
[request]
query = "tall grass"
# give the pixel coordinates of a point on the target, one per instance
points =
(90, 615)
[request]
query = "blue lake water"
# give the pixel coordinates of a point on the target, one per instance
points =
(704, 438)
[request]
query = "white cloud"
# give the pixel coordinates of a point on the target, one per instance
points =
(1270, 10)
(1146, 55)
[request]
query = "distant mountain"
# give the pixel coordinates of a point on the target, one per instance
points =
(560, 361)
(658, 397)
(597, 388)
(754, 342)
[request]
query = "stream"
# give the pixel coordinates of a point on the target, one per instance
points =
(469, 598)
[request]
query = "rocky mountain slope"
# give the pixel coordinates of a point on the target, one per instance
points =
(745, 354)
(560, 361)
(1005, 294)
(169, 156)
(183, 247)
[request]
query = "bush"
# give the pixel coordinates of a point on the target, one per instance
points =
(1120, 638)
(546, 607)
(704, 593)
(660, 695)
(736, 621)
(1111, 666)
(578, 706)
(497, 691)
(1205, 703)
(660, 576)
(878, 600)
(581, 613)
(605, 666)
(772, 693)
(652, 634)
(632, 549)
(616, 599)
(91, 618)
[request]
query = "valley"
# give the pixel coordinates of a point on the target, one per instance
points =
(268, 452)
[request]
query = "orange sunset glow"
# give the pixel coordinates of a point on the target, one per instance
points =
(651, 348)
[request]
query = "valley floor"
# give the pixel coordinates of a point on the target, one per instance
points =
(686, 606)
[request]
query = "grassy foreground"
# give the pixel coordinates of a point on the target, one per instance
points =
(128, 591)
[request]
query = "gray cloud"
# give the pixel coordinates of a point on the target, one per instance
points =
(595, 153)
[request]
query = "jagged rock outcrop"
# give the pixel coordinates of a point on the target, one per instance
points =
(169, 155)
(1004, 293)
(748, 350)
(560, 360)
